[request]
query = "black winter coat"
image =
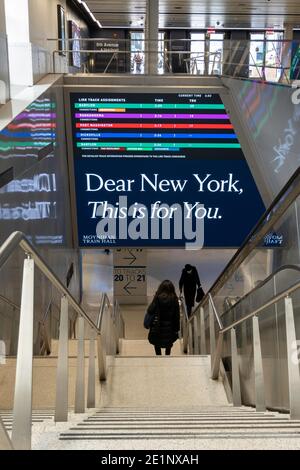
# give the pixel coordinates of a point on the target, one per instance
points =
(189, 282)
(166, 324)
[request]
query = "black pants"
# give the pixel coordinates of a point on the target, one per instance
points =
(158, 350)
(189, 309)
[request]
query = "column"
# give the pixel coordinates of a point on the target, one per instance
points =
(4, 70)
(19, 46)
(286, 53)
(151, 37)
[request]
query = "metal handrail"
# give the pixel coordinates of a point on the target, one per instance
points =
(223, 330)
(263, 283)
(118, 317)
(112, 58)
(42, 323)
(45, 346)
(281, 203)
(120, 40)
(9, 302)
(123, 46)
(215, 312)
(184, 325)
(105, 302)
(217, 358)
(274, 300)
(45, 343)
(18, 239)
(45, 316)
(21, 430)
(48, 309)
(167, 52)
(118, 328)
(22, 414)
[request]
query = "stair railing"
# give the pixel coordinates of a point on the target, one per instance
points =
(293, 365)
(288, 196)
(233, 58)
(22, 407)
(216, 347)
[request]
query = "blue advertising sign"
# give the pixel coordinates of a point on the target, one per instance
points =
(273, 239)
(160, 170)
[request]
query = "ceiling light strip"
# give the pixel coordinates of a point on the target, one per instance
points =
(81, 2)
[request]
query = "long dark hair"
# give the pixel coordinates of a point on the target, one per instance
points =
(166, 287)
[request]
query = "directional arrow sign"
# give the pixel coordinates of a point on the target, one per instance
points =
(128, 289)
(130, 276)
(132, 258)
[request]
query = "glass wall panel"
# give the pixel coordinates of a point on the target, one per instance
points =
(216, 43)
(137, 55)
(273, 58)
(197, 62)
(257, 52)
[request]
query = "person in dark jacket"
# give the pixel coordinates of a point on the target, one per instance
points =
(166, 318)
(189, 282)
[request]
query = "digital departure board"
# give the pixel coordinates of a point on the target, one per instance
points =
(125, 126)
(160, 170)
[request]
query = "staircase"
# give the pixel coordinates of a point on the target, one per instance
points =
(37, 417)
(209, 426)
(161, 382)
(160, 402)
(44, 373)
(151, 402)
(142, 348)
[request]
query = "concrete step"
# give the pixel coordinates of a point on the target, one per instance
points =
(134, 321)
(211, 423)
(38, 417)
(144, 348)
(178, 428)
(44, 382)
(73, 345)
(162, 381)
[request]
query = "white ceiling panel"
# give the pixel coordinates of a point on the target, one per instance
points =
(199, 13)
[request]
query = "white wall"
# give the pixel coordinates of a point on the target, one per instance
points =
(19, 48)
(44, 26)
(30, 23)
(17, 20)
(43, 20)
